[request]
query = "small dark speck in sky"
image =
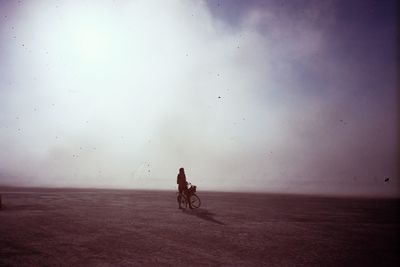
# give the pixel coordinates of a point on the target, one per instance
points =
(387, 179)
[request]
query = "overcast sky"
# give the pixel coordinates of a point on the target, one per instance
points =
(281, 96)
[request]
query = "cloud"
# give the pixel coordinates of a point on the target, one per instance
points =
(122, 94)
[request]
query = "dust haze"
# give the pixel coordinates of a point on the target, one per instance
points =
(120, 94)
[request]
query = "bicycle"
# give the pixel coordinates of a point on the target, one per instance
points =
(195, 201)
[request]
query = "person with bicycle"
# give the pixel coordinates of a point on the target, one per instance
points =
(182, 186)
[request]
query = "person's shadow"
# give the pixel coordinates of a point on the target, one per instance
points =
(203, 214)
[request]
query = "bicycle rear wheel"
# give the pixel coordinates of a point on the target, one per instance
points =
(195, 201)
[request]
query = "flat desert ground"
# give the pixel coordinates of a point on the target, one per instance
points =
(82, 227)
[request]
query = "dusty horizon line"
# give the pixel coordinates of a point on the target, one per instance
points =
(38, 189)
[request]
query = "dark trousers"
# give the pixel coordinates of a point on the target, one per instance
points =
(183, 190)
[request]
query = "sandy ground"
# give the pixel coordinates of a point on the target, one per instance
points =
(51, 227)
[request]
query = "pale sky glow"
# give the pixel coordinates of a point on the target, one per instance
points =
(122, 93)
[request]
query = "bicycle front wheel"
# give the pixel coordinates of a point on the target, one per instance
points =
(195, 201)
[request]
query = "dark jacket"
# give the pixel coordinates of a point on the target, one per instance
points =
(181, 179)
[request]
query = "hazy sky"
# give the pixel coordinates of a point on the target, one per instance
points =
(292, 96)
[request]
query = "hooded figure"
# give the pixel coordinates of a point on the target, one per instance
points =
(182, 186)
(181, 180)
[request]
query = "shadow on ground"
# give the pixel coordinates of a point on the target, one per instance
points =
(203, 214)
